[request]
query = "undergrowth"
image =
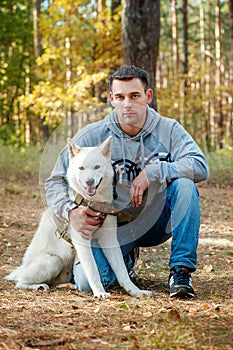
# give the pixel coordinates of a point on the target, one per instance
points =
(221, 168)
(15, 161)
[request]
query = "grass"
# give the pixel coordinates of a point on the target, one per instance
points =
(26, 161)
(221, 168)
(15, 161)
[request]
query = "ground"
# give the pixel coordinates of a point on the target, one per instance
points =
(67, 319)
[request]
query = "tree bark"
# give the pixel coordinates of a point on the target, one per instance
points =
(141, 32)
(230, 100)
(175, 49)
(38, 52)
(230, 6)
(185, 63)
(218, 75)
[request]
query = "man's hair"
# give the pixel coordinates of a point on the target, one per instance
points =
(129, 73)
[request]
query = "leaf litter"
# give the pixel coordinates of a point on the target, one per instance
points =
(64, 318)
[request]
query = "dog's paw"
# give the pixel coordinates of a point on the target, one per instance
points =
(146, 292)
(140, 292)
(102, 295)
(42, 286)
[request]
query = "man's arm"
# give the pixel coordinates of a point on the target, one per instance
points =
(187, 160)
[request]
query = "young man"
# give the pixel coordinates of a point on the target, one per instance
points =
(156, 163)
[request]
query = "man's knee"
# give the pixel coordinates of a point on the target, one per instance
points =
(183, 187)
(184, 200)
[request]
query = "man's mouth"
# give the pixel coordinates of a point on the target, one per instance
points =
(128, 113)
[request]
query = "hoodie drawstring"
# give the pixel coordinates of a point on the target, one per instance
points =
(142, 153)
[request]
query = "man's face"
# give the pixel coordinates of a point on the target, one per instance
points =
(129, 100)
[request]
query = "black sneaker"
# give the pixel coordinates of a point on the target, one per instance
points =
(180, 283)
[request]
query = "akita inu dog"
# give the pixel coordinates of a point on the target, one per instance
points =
(48, 260)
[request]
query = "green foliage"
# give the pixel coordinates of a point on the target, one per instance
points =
(16, 53)
(82, 47)
(52, 103)
(74, 68)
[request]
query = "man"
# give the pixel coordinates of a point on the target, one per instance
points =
(156, 163)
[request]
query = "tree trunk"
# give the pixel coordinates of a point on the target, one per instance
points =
(185, 64)
(218, 76)
(175, 49)
(230, 6)
(38, 52)
(230, 99)
(141, 31)
(185, 38)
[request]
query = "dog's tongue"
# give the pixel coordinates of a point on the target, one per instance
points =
(91, 190)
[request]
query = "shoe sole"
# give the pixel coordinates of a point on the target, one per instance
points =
(182, 293)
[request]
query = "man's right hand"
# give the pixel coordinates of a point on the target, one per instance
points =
(85, 221)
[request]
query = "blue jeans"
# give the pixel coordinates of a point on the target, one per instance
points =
(179, 219)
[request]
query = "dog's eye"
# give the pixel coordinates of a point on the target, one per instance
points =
(81, 168)
(97, 167)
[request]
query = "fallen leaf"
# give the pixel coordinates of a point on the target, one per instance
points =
(147, 314)
(207, 269)
(127, 328)
(173, 316)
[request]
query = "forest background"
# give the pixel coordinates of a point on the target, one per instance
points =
(57, 55)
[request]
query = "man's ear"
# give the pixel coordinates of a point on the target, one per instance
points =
(111, 99)
(106, 147)
(149, 94)
(73, 148)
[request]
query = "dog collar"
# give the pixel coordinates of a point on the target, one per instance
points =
(105, 208)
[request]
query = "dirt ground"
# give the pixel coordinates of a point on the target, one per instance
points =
(67, 319)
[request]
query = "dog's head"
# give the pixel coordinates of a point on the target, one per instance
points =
(90, 167)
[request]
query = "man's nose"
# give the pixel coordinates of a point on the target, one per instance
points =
(127, 101)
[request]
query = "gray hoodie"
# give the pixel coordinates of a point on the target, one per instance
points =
(162, 147)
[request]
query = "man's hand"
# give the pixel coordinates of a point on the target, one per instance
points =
(139, 185)
(85, 221)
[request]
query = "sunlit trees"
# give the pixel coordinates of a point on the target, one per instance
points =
(56, 57)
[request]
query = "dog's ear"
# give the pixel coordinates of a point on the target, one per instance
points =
(106, 147)
(73, 149)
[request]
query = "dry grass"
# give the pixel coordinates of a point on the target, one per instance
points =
(67, 319)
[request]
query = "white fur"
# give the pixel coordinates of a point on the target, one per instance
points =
(48, 260)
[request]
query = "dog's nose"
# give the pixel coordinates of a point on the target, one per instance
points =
(90, 181)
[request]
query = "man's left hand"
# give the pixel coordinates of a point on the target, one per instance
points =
(139, 185)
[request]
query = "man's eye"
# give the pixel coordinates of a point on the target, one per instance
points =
(97, 167)
(81, 168)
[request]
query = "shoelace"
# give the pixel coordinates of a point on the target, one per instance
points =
(182, 277)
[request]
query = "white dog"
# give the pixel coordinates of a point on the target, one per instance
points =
(48, 260)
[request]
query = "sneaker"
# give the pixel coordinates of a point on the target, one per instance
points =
(134, 255)
(180, 283)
